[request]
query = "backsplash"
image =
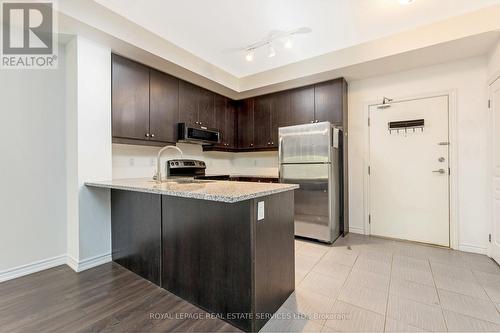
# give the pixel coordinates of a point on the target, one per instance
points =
(139, 161)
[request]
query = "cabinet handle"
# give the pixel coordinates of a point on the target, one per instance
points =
(152, 135)
(147, 135)
(251, 145)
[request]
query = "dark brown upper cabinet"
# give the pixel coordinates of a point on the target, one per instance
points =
(301, 106)
(206, 112)
(246, 124)
(280, 110)
(328, 97)
(220, 118)
(147, 105)
(196, 105)
(230, 128)
(188, 103)
(130, 99)
(164, 107)
(225, 121)
(262, 121)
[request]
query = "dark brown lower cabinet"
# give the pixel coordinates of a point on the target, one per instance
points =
(136, 233)
(215, 255)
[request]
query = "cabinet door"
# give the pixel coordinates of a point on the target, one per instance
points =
(328, 101)
(130, 99)
(282, 105)
(301, 106)
(206, 115)
(220, 119)
(136, 232)
(164, 107)
(246, 124)
(262, 122)
(188, 103)
(278, 106)
(230, 131)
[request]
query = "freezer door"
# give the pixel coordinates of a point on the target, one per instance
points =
(314, 200)
(308, 143)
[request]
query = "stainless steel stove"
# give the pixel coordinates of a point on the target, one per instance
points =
(195, 169)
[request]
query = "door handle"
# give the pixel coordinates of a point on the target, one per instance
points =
(441, 171)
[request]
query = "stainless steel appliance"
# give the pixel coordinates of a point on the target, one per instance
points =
(310, 155)
(192, 169)
(184, 168)
(197, 134)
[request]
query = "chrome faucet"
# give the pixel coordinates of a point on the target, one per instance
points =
(158, 166)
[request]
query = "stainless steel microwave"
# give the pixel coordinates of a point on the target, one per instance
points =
(197, 134)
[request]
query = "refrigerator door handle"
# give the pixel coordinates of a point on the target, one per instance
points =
(280, 148)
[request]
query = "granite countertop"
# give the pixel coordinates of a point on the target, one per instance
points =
(212, 190)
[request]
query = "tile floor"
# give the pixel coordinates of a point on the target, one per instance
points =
(370, 284)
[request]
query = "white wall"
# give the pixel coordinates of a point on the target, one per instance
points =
(494, 62)
(88, 152)
(468, 79)
(140, 161)
(32, 167)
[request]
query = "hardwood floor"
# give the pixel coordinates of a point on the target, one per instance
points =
(107, 298)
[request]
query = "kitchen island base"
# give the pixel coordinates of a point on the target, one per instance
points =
(234, 260)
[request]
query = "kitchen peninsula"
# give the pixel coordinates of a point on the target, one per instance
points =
(225, 246)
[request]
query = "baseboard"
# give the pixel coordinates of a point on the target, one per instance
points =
(72, 263)
(82, 265)
(356, 230)
(31, 268)
(473, 249)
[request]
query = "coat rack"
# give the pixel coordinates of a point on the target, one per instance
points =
(405, 125)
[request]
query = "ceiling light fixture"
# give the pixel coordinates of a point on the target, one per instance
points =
(285, 38)
(406, 2)
(272, 51)
(249, 56)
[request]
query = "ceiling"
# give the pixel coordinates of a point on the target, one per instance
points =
(217, 30)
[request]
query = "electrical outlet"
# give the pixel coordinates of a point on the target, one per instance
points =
(260, 211)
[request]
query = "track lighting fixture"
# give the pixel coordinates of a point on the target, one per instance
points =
(284, 38)
(272, 51)
(249, 56)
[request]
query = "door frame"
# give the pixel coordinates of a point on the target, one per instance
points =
(491, 169)
(453, 161)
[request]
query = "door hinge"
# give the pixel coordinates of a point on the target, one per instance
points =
(369, 170)
(449, 171)
(489, 238)
(369, 218)
(368, 121)
(489, 104)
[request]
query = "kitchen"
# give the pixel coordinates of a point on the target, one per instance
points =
(286, 203)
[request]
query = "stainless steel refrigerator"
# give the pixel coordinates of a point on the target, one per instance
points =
(311, 155)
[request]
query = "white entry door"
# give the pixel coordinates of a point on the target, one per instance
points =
(495, 106)
(409, 171)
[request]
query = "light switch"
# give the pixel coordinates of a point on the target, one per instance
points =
(260, 210)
